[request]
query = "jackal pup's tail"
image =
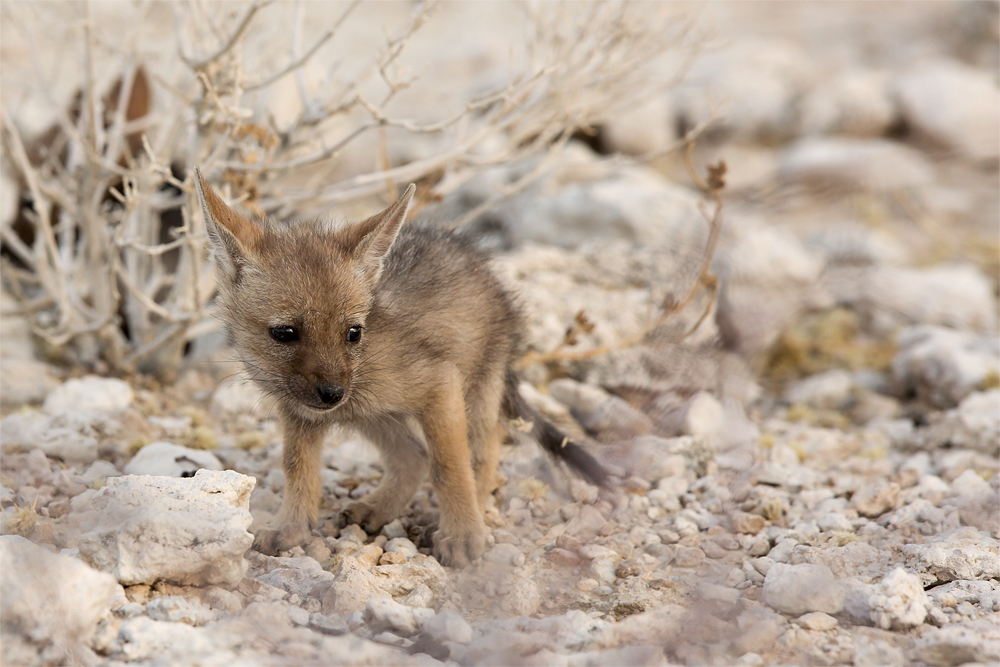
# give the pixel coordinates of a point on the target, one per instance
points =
(552, 439)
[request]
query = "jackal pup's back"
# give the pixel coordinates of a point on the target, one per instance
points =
(402, 333)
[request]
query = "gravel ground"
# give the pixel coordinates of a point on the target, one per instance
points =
(811, 477)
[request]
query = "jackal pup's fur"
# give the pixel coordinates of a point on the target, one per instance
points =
(403, 334)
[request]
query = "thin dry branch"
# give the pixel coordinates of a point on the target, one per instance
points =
(109, 255)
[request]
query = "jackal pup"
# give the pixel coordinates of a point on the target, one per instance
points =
(401, 333)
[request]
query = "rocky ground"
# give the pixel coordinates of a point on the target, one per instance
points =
(810, 477)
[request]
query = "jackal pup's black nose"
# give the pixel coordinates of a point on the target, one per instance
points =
(330, 393)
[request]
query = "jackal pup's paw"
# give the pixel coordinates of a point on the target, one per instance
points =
(458, 548)
(271, 542)
(368, 516)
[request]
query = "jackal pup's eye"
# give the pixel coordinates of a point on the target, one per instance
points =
(284, 333)
(354, 334)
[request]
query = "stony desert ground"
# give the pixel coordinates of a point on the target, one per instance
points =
(806, 475)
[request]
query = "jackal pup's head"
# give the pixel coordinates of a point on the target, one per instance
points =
(296, 297)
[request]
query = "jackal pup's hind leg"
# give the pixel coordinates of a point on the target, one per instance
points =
(404, 458)
(461, 534)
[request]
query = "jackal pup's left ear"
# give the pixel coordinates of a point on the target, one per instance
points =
(237, 241)
(373, 237)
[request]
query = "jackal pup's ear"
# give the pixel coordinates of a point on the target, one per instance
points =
(237, 241)
(373, 237)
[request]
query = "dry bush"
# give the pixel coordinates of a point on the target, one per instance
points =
(107, 255)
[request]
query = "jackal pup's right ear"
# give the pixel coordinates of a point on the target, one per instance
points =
(237, 241)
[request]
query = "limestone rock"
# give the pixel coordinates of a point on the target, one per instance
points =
(855, 103)
(942, 365)
(756, 81)
(387, 615)
(889, 297)
(965, 553)
(25, 380)
(953, 105)
(767, 278)
(299, 576)
(958, 644)
(829, 390)
(187, 531)
(70, 436)
(90, 393)
(899, 601)
(352, 588)
(974, 424)
(51, 603)
(238, 397)
(872, 165)
(800, 589)
(166, 458)
(447, 626)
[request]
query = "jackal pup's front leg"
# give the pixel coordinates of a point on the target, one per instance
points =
(300, 508)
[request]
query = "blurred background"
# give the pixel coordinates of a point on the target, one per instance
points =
(758, 244)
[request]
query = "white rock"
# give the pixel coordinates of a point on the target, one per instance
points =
(353, 586)
(646, 128)
(800, 589)
(173, 427)
(716, 593)
(829, 390)
(873, 652)
(954, 105)
(854, 244)
(299, 576)
(873, 165)
(177, 609)
(855, 103)
(699, 415)
(90, 393)
(67, 436)
(856, 597)
(959, 644)
(25, 381)
(899, 601)
(818, 621)
(942, 365)
(965, 553)
(401, 545)
(603, 570)
(447, 626)
(187, 531)
(387, 615)
(974, 424)
(959, 296)
(580, 199)
(10, 199)
(142, 638)
(757, 83)
(400, 579)
(969, 483)
(166, 458)
(49, 599)
(239, 397)
(99, 469)
(597, 410)
(834, 521)
(524, 597)
(420, 596)
(767, 278)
